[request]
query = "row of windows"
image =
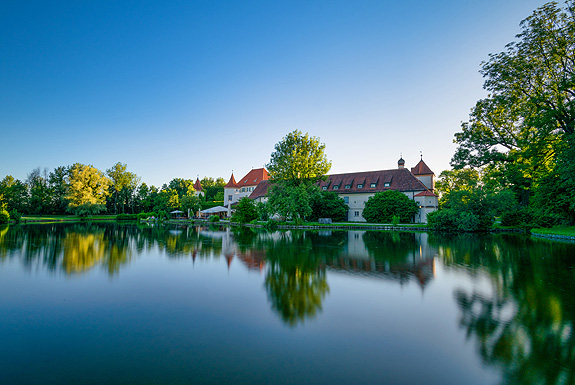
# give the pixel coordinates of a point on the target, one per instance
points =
(359, 186)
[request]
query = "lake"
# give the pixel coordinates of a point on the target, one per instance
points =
(93, 303)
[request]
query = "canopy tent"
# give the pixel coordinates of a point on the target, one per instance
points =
(176, 213)
(215, 210)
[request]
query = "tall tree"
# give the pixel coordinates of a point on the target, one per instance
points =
(40, 194)
(87, 190)
(518, 129)
(58, 187)
(122, 185)
(298, 159)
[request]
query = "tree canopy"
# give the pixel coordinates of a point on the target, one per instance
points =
(519, 131)
(298, 159)
(383, 206)
(87, 189)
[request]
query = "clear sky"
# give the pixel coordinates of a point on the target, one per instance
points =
(177, 89)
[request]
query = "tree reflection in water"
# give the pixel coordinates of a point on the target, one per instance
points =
(525, 325)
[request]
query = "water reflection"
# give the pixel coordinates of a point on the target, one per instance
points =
(524, 323)
(514, 294)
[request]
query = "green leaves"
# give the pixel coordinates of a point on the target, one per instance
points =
(298, 159)
(383, 206)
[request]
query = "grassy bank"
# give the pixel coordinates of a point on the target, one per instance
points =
(559, 231)
(63, 218)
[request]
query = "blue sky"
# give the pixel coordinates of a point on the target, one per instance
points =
(177, 89)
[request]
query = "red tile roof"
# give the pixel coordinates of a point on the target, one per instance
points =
(198, 185)
(421, 169)
(254, 177)
(398, 179)
(232, 183)
(261, 190)
(426, 194)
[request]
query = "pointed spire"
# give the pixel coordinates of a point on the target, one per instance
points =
(232, 183)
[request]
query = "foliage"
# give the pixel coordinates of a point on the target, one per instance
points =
(472, 210)
(521, 132)
(190, 202)
(327, 204)
(4, 216)
(528, 218)
(292, 202)
(127, 217)
(245, 211)
(298, 159)
(123, 185)
(381, 207)
(15, 216)
(87, 209)
(214, 218)
(14, 193)
(162, 215)
(264, 211)
(87, 190)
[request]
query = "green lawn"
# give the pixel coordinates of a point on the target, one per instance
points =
(563, 230)
(61, 218)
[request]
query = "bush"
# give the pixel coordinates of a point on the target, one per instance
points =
(4, 216)
(15, 216)
(381, 207)
(214, 218)
(271, 225)
(127, 217)
(245, 211)
(451, 220)
(527, 218)
(162, 215)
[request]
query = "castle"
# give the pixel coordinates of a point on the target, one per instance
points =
(354, 188)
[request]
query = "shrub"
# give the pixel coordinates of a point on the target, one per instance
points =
(245, 211)
(127, 217)
(162, 214)
(381, 207)
(214, 218)
(451, 220)
(395, 220)
(15, 216)
(4, 216)
(271, 225)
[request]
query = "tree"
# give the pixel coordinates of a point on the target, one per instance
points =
(122, 185)
(292, 202)
(15, 194)
(298, 159)
(327, 204)
(384, 205)
(40, 194)
(246, 211)
(87, 190)
(519, 128)
(58, 188)
(190, 202)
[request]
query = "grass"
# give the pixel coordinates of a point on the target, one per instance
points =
(561, 230)
(62, 218)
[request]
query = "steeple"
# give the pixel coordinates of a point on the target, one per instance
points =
(232, 183)
(400, 162)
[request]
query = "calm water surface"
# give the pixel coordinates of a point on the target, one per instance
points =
(134, 304)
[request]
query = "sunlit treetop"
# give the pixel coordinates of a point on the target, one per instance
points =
(298, 159)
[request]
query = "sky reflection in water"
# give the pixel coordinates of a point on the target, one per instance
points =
(92, 303)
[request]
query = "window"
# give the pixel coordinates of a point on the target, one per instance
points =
(386, 184)
(229, 198)
(372, 185)
(346, 199)
(336, 187)
(347, 186)
(356, 213)
(360, 185)
(324, 188)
